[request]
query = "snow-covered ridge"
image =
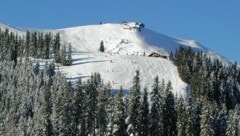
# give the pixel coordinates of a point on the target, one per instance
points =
(122, 39)
(12, 29)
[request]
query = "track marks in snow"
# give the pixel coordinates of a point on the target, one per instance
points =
(119, 70)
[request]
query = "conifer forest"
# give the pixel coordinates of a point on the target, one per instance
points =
(37, 100)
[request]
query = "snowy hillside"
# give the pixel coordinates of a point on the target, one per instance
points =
(12, 29)
(123, 39)
(127, 46)
(120, 69)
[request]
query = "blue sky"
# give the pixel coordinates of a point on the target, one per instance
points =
(215, 24)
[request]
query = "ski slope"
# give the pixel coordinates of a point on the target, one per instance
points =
(118, 70)
(119, 39)
(126, 50)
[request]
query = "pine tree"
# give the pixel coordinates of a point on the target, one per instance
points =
(194, 119)
(181, 118)
(41, 45)
(33, 45)
(64, 110)
(63, 55)
(47, 44)
(206, 128)
(68, 109)
(144, 113)
(156, 126)
(134, 110)
(68, 60)
(233, 128)
(79, 108)
(102, 49)
(229, 97)
(56, 48)
(119, 126)
(110, 108)
(14, 51)
(66, 56)
(27, 52)
(101, 113)
(47, 111)
(189, 119)
(91, 110)
(171, 57)
(169, 118)
(219, 119)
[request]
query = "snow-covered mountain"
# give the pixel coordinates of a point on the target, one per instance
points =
(127, 47)
(125, 39)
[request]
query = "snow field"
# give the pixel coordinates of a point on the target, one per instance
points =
(118, 39)
(119, 70)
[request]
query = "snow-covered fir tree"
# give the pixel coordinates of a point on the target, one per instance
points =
(119, 126)
(133, 119)
(169, 117)
(181, 117)
(144, 114)
(206, 119)
(156, 124)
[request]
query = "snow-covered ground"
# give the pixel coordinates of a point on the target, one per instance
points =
(120, 39)
(124, 46)
(119, 70)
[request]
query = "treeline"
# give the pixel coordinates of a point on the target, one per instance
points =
(10, 46)
(34, 44)
(209, 78)
(214, 94)
(36, 101)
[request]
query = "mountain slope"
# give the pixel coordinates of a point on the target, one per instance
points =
(18, 31)
(118, 70)
(127, 46)
(120, 39)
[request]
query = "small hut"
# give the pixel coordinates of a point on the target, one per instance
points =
(157, 55)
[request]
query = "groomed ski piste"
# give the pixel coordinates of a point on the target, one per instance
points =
(118, 70)
(127, 49)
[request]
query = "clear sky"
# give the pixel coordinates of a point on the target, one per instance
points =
(214, 23)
